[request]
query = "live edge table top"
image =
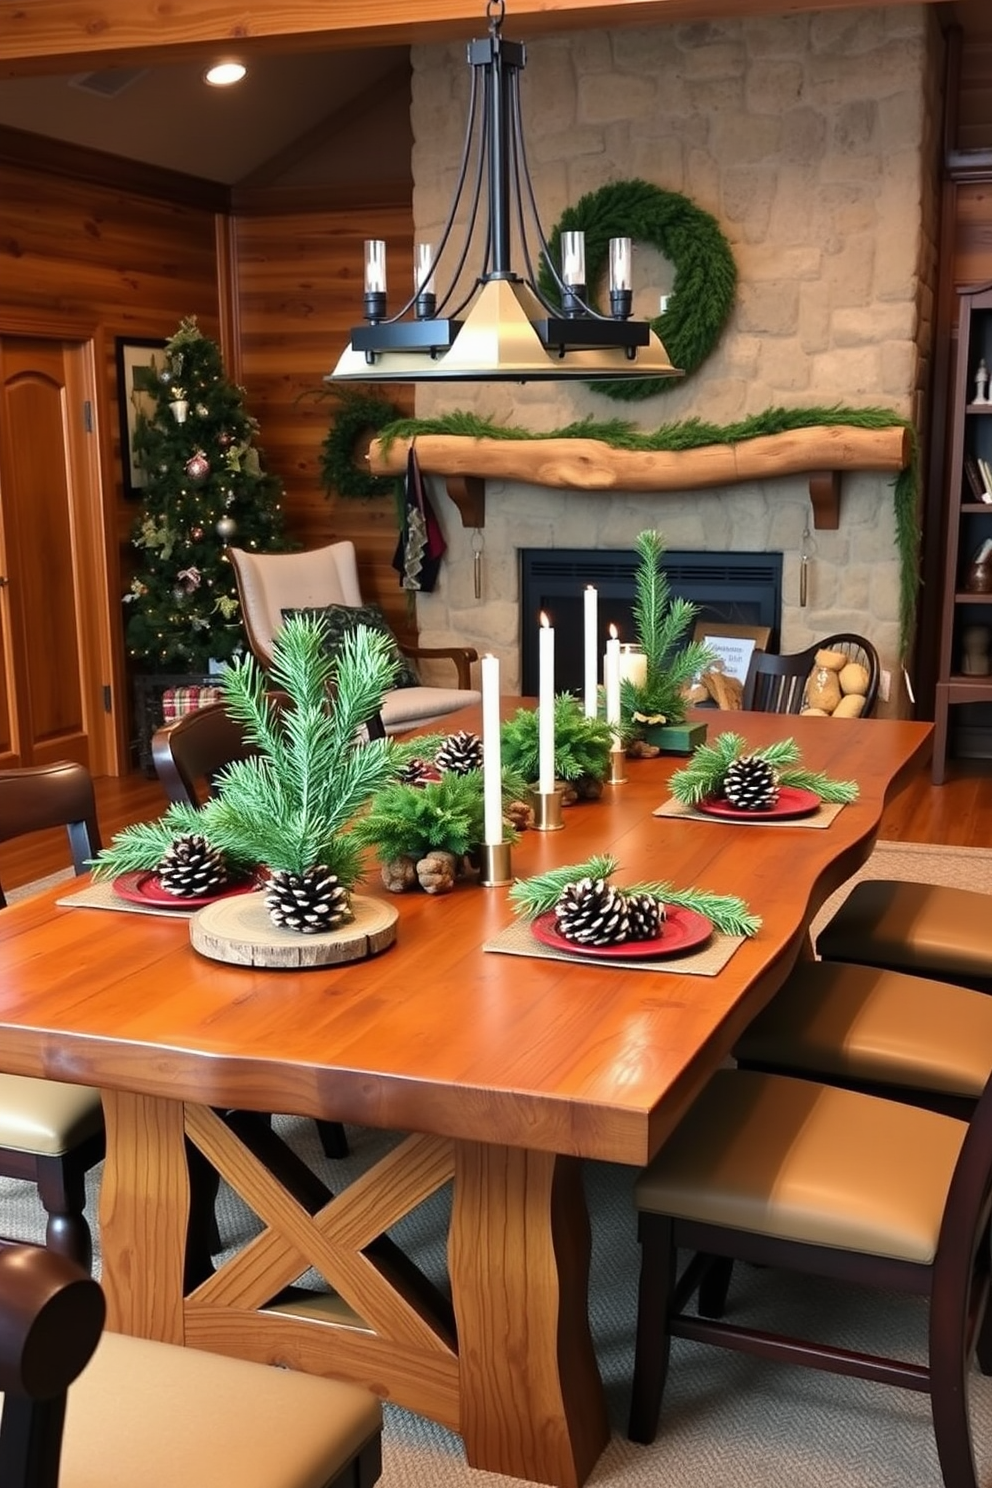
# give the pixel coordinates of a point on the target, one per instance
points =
(435, 1035)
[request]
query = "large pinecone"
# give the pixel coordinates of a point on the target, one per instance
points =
(460, 753)
(592, 912)
(191, 868)
(645, 916)
(309, 902)
(750, 784)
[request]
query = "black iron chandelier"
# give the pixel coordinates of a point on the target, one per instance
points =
(505, 327)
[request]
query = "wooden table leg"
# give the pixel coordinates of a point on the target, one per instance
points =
(532, 1402)
(144, 1212)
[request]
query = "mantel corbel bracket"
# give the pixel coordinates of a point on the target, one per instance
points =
(824, 494)
(468, 493)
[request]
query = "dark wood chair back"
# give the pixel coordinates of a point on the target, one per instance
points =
(190, 753)
(37, 797)
(777, 684)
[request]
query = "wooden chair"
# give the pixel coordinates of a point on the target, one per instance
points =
(268, 583)
(80, 1408)
(818, 1180)
(52, 1133)
(188, 756)
(925, 929)
(776, 684)
(860, 649)
(911, 1038)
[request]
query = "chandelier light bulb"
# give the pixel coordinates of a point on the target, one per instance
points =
(621, 278)
(375, 279)
(425, 302)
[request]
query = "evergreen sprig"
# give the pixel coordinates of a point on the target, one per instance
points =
(582, 745)
(702, 777)
(530, 897)
(412, 820)
(290, 807)
(661, 624)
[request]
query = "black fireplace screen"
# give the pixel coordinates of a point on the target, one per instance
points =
(729, 588)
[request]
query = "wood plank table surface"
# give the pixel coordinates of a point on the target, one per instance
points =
(502, 1071)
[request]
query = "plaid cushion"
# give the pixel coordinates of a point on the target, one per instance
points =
(179, 700)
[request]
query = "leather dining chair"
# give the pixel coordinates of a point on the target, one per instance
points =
(188, 755)
(830, 1183)
(269, 583)
(929, 930)
(82, 1406)
(51, 1133)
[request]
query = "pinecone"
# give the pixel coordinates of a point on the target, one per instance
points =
(191, 868)
(750, 784)
(645, 915)
(418, 772)
(592, 912)
(309, 902)
(460, 753)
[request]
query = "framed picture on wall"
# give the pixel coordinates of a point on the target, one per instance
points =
(139, 362)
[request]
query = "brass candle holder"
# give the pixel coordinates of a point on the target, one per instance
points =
(618, 767)
(547, 810)
(496, 864)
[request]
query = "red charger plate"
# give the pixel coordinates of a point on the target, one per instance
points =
(143, 888)
(792, 802)
(684, 930)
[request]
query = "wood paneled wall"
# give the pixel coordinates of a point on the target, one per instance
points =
(299, 286)
(108, 262)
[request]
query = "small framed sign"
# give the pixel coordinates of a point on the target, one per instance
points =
(733, 644)
(140, 360)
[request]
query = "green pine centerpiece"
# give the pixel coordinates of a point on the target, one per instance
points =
(662, 624)
(287, 813)
(582, 746)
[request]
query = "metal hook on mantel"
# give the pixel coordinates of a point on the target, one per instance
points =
(478, 547)
(804, 557)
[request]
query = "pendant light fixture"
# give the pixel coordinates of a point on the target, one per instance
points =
(505, 327)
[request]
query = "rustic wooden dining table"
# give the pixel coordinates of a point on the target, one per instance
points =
(501, 1073)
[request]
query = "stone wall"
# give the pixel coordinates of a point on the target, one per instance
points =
(811, 140)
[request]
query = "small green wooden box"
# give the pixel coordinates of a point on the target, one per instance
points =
(675, 738)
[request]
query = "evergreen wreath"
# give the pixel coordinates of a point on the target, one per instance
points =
(705, 279)
(530, 897)
(358, 414)
(702, 777)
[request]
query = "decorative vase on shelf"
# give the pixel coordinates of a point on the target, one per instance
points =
(978, 578)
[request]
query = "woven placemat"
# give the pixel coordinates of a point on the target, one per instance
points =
(518, 940)
(101, 895)
(821, 817)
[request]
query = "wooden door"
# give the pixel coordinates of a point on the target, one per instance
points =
(43, 711)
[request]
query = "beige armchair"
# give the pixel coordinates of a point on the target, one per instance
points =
(269, 583)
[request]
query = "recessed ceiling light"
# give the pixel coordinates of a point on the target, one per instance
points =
(223, 74)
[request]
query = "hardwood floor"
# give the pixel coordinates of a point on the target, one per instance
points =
(958, 813)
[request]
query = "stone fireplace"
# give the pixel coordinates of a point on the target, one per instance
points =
(810, 139)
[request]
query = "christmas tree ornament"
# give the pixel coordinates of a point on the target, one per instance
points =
(202, 411)
(592, 912)
(196, 533)
(197, 467)
(226, 528)
(225, 439)
(191, 868)
(460, 752)
(310, 902)
(646, 915)
(191, 579)
(750, 784)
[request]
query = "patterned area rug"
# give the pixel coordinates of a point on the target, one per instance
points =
(728, 1420)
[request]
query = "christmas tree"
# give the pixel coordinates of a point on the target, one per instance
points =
(204, 488)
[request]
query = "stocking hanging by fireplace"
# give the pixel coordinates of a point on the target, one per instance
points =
(421, 544)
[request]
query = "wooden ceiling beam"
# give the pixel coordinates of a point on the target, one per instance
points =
(75, 35)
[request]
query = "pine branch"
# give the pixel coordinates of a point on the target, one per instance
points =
(703, 776)
(531, 897)
(729, 913)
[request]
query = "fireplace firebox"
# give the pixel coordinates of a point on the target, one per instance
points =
(729, 588)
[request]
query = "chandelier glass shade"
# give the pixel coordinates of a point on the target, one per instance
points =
(504, 327)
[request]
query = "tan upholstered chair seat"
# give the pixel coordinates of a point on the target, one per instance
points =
(814, 1163)
(871, 1024)
(45, 1116)
(927, 928)
(152, 1415)
(416, 707)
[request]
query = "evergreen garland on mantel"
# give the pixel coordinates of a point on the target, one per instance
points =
(695, 433)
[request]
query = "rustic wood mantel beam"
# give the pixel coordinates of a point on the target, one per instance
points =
(821, 453)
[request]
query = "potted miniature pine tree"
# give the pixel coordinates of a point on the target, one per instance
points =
(286, 814)
(654, 711)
